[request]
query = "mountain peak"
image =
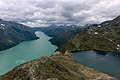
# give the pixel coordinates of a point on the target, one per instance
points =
(117, 18)
(114, 22)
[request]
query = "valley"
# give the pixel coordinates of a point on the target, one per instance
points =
(101, 37)
(25, 51)
(69, 39)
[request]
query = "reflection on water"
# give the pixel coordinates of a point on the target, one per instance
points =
(101, 53)
(107, 62)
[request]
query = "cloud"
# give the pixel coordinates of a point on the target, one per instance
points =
(46, 12)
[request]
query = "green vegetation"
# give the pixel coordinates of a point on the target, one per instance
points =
(60, 34)
(100, 37)
(103, 37)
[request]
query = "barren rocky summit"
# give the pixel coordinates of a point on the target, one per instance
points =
(56, 67)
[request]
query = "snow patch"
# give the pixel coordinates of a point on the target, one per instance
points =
(2, 25)
(117, 48)
(99, 26)
(110, 39)
(96, 32)
(118, 45)
(91, 29)
(3, 28)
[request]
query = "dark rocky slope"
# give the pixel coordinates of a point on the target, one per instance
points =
(103, 37)
(60, 34)
(12, 33)
(62, 67)
(57, 67)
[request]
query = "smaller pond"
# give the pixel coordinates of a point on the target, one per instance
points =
(107, 62)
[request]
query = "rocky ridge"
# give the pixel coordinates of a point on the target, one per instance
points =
(56, 67)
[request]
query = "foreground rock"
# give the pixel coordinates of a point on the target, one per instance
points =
(12, 33)
(57, 67)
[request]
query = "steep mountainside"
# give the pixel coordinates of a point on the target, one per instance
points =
(103, 37)
(60, 34)
(60, 66)
(57, 67)
(12, 33)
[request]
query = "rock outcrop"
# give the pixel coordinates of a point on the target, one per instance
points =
(57, 67)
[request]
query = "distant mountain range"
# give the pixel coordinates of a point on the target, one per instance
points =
(60, 66)
(103, 37)
(61, 34)
(12, 33)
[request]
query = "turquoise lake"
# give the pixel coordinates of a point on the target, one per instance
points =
(107, 62)
(25, 51)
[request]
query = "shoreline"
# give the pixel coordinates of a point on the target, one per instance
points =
(60, 61)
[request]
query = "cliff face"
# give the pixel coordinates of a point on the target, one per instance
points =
(12, 33)
(103, 37)
(57, 67)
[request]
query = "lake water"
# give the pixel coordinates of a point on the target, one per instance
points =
(25, 51)
(107, 62)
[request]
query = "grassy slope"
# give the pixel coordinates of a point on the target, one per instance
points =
(106, 39)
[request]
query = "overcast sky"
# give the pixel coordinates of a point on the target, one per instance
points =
(45, 12)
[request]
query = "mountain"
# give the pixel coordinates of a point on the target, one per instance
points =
(114, 22)
(12, 33)
(60, 66)
(61, 34)
(102, 37)
(56, 67)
